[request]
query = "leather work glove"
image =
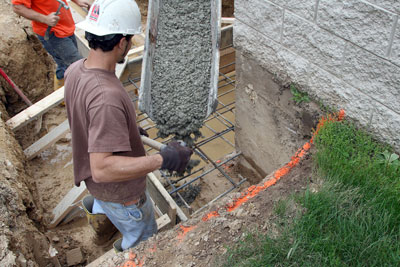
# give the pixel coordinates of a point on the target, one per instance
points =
(143, 131)
(175, 157)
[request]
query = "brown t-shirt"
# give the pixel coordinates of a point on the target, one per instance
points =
(102, 119)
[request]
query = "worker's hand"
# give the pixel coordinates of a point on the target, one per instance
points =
(143, 131)
(52, 19)
(175, 157)
(83, 3)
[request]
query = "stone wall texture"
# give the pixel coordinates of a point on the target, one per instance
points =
(345, 53)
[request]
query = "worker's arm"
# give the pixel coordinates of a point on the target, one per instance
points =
(106, 167)
(31, 14)
(83, 3)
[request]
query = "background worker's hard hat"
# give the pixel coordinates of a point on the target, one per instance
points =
(112, 17)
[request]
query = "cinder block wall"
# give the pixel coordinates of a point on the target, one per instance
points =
(343, 53)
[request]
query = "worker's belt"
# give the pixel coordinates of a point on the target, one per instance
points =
(138, 202)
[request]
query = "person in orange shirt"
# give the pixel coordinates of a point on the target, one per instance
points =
(61, 44)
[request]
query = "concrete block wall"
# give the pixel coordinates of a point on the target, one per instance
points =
(345, 53)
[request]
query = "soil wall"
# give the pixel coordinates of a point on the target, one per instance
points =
(28, 65)
(21, 242)
(270, 125)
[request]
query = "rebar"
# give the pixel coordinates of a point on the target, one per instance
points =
(220, 116)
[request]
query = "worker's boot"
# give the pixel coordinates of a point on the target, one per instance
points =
(103, 229)
(117, 245)
(58, 83)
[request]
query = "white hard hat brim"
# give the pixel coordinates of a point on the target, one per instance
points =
(89, 27)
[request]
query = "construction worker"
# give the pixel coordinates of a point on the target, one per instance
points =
(61, 43)
(108, 153)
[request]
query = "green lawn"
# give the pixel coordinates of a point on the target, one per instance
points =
(352, 220)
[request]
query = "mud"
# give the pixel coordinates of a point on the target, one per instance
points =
(180, 82)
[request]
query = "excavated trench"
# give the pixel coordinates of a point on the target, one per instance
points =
(29, 190)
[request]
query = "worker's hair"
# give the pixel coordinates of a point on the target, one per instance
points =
(106, 42)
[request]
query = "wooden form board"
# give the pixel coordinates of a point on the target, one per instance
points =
(46, 141)
(67, 204)
(227, 20)
(79, 10)
(226, 37)
(227, 56)
(166, 196)
(37, 109)
(160, 202)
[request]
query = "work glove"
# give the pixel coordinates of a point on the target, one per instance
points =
(175, 157)
(143, 131)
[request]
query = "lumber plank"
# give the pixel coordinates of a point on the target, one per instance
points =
(37, 109)
(77, 211)
(46, 141)
(226, 37)
(227, 56)
(156, 209)
(82, 43)
(136, 51)
(163, 221)
(159, 200)
(227, 20)
(167, 196)
(75, 8)
(67, 204)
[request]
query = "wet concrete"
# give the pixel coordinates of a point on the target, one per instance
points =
(181, 76)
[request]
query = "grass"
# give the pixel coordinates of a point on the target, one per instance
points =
(298, 96)
(353, 220)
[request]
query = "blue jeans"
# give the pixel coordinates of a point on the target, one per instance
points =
(63, 50)
(135, 224)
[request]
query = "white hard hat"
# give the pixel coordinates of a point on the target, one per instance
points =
(112, 17)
